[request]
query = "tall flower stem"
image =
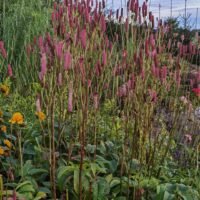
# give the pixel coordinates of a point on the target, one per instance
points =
(53, 158)
(20, 151)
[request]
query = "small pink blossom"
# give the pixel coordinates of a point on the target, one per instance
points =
(10, 73)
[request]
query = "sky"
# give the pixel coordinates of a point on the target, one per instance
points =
(178, 7)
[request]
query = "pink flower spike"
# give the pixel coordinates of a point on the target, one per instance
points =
(67, 61)
(60, 79)
(43, 66)
(83, 35)
(104, 58)
(103, 24)
(58, 49)
(70, 97)
(10, 73)
(2, 50)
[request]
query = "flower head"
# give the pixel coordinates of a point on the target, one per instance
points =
(17, 118)
(7, 143)
(1, 151)
(4, 129)
(41, 116)
(196, 91)
(4, 89)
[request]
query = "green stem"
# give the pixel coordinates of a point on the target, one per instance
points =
(20, 153)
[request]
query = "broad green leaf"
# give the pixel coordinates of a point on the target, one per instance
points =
(40, 195)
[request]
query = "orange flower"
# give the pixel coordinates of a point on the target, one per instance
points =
(4, 89)
(17, 118)
(41, 116)
(7, 143)
(1, 151)
(4, 129)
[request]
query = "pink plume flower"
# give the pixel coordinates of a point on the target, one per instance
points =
(43, 66)
(10, 73)
(70, 97)
(60, 79)
(144, 9)
(96, 101)
(67, 61)
(2, 50)
(58, 49)
(147, 47)
(104, 58)
(83, 38)
(103, 24)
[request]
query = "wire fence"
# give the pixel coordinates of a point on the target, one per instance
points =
(167, 8)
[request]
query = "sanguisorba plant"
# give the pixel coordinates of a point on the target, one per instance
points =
(81, 69)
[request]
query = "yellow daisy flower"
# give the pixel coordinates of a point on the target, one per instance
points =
(4, 129)
(17, 118)
(7, 143)
(4, 89)
(41, 116)
(1, 151)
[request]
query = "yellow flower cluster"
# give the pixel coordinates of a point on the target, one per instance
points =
(17, 118)
(41, 116)
(4, 89)
(3, 128)
(7, 143)
(1, 151)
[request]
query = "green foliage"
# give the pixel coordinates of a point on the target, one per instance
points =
(124, 146)
(21, 22)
